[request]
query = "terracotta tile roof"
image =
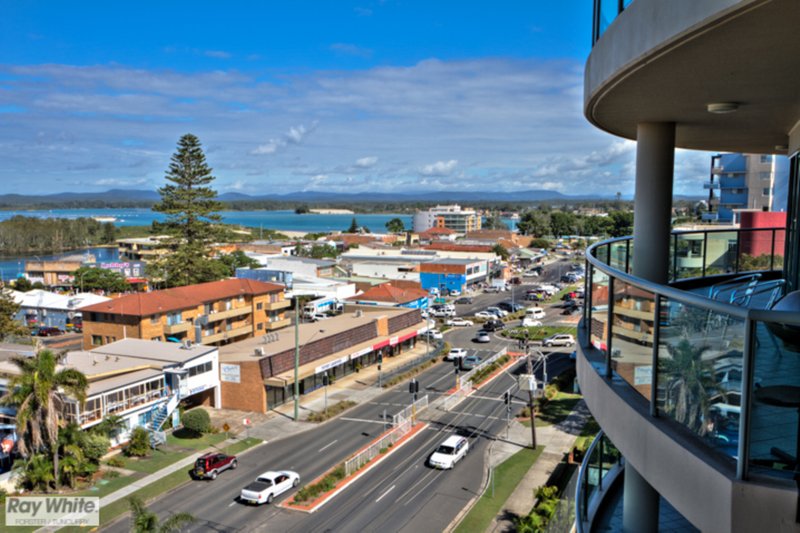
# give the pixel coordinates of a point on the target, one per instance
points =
(454, 247)
(150, 303)
(390, 294)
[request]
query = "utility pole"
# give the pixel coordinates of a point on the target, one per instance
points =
(530, 393)
(296, 358)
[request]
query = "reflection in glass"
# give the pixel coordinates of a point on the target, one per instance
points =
(598, 330)
(699, 381)
(632, 331)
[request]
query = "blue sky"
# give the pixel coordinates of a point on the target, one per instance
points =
(325, 95)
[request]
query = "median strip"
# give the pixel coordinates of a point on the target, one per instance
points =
(334, 480)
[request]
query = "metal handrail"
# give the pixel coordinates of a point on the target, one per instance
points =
(581, 498)
(688, 298)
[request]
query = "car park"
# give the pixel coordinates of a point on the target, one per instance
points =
(208, 466)
(482, 337)
(455, 353)
(559, 340)
(460, 322)
(469, 362)
(450, 452)
(269, 485)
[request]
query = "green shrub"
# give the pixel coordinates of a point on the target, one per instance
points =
(197, 421)
(326, 484)
(139, 445)
(110, 474)
(95, 446)
(116, 462)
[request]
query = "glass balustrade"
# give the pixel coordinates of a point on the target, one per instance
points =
(705, 347)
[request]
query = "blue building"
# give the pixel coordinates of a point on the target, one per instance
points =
(745, 181)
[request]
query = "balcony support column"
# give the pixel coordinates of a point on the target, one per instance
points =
(639, 503)
(655, 161)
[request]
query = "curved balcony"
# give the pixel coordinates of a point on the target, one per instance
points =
(698, 382)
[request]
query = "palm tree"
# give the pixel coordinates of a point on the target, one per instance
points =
(39, 392)
(690, 383)
(37, 472)
(144, 521)
(73, 462)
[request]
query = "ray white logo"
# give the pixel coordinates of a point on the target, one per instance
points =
(52, 511)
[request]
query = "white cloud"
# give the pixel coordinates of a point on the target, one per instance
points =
(295, 135)
(366, 162)
(440, 168)
(269, 148)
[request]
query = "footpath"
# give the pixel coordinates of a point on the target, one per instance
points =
(557, 439)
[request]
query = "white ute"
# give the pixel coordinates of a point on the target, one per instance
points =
(268, 485)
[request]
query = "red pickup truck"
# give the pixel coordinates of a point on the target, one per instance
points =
(208, 466)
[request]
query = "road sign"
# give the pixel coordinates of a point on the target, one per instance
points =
(527, 382)
(226, 427)
(246, 421)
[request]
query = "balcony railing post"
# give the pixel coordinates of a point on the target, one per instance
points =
(628, 256)
(600, 464)
(654, 372)
(705, 251)
(587, 297)
(742, 466)
(610, 321)
(738, 247)
(674, 257)
(772, 252)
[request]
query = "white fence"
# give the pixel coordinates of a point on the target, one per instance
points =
(451, 400)
(366, 455)
(411, 411)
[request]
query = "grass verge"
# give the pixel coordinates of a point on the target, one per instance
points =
(177, 448)
(486, 371)
(411, 373)
(507, 476)
(554, 411)
(176, 479)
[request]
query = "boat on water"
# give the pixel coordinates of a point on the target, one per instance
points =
(105, 219)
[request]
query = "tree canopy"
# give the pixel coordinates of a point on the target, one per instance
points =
(395, 225)
(494, 221)
(500, 250)
(8, 311)
(191, 207)
(99, 279)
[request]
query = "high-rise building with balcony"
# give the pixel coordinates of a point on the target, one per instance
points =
(743, 182)
(693, 371)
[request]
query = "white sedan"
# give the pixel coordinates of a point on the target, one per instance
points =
(485, 314)
(459, 322)
(268, 485)
(455, 353)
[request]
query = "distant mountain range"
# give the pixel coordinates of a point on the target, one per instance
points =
(129, 197)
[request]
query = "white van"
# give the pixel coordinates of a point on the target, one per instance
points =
(535, 313)
(449, 452)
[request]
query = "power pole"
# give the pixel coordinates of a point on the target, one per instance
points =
(530, 394)
(296, 358)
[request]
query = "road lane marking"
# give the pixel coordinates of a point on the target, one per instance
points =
(346, 419)
(385, 493)
(327, 446)
(231, 504)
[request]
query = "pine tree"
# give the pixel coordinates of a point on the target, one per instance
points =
(191, 208)
(8, 310)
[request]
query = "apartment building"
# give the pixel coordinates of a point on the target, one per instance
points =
(142, 248)
(692, 373)
(743, 181)
(215, 313)
(453, 217)
(56, 272)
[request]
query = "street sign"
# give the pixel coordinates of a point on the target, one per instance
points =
(246, 421)
(527, 382)
(226, 427)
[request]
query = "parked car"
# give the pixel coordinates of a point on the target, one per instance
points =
(462, 322)
(208, 466)
(493, 325)
(48, 332)
(534, 297)
(450, 452)
(485, 314)
(455, 292)
(482, 337)
(559, 340)
(455, 353)
(510, 307)
(529, 322)
(497, 311)
(268, 485)
(469, 362)
(492, 288)
(433, 334)
(316, 317)
(531, 273)
(463, 300)
(442, 313)
(535, 313)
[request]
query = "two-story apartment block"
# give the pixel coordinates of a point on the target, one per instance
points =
(216, 313)
(453, 217)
